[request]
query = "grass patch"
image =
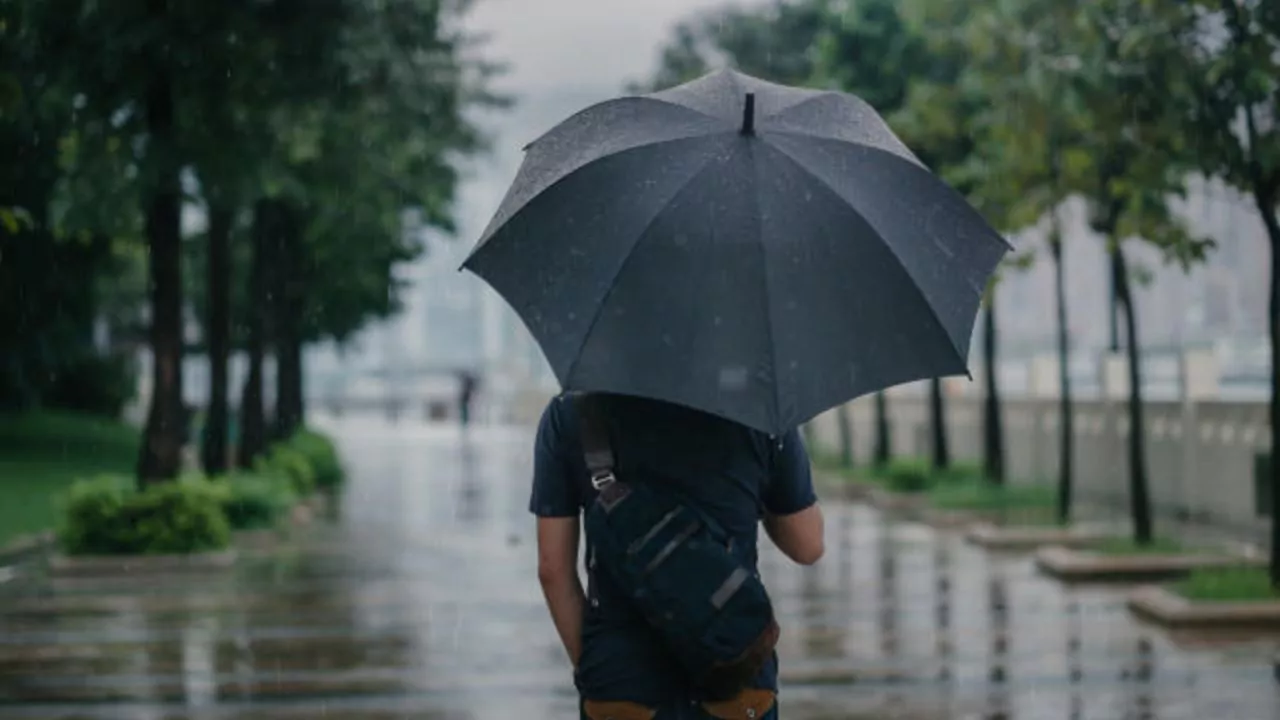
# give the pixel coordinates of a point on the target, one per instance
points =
(41, 453)
(1158, 546)
(1229, 584)
(986, 496)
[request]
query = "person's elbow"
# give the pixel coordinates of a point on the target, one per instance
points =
(809, 553)
(554, 572)
(799, 535)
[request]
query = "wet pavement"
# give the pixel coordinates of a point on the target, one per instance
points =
(418, 600)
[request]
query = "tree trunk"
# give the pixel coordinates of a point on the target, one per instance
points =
(938, 425)
(252, 414)
(214, 452)
(160, 457)
(1267, 207)
(846, 435)
(1113, 309)
(288, 315)
(1139, 499)
(1066, 414)
(883, 449)
(992, 427)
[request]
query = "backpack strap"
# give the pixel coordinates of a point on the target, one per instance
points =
(594, 435)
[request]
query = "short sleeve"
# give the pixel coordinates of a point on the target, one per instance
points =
(790, 487)
(554, 492)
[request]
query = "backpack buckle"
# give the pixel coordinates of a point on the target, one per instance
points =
(602, 479)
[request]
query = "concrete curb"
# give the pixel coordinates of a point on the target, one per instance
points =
(98, 565)
(1173, 610)
(26, 546)
(1077, 566)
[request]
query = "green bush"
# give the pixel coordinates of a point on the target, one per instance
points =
(107, 516)
(959, 473)
(908, 476)
(321, 454)
(251, 502)
(283, 461)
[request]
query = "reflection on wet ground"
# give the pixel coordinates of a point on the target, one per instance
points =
(418, 600)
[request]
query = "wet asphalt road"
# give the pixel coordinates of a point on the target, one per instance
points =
(416, 598)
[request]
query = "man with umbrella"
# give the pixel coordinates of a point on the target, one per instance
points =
(706, 268)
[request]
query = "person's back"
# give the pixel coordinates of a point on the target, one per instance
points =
(734, 475)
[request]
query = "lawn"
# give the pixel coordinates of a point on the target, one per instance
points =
(42, 453)
(1233, 584)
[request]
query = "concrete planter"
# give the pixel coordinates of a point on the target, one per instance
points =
(1168, 608)
(1031, 537)
(99, 565)
(25, 546)
(1082, 566)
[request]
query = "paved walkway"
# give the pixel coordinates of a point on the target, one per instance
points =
(419, 601)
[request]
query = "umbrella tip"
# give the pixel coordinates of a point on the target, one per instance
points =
(749, 115)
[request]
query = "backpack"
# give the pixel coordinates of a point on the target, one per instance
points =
(676, 566)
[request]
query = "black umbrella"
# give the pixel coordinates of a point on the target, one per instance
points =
(756, 251)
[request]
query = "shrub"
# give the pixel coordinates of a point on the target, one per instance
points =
(283, 461)
(95, 384)
(252, 502)
(908, 476)
(107, 516)
(321, 454)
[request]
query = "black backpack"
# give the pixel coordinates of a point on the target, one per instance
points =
(676, 566)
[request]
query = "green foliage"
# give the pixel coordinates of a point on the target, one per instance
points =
(100, 385)
(774, 41)
(284, 462)
(107, 516)
(321, 455)
(908, 476)
(1229, 584)
(253, 502)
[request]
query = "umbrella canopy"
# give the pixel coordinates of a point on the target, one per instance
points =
(756, 251)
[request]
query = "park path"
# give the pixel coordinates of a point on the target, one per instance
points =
(417, 599)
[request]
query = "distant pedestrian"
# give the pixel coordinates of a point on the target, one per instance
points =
(467, 385)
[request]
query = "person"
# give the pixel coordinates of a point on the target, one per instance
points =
(740, 477)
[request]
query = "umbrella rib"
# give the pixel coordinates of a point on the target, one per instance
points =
(622, 266)
(919, 293)
(496, 226)
(768, 297)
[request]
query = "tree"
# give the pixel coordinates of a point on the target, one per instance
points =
(53, 263)
(1026, 146)
(775, 41)
(1138, 163)
(1225, 80)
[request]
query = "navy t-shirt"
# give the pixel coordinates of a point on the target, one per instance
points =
(731, 472)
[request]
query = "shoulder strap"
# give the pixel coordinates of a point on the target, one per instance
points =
(594, 434)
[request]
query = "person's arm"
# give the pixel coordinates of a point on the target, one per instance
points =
(561, 586)
(555, 502)
(793, 519)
